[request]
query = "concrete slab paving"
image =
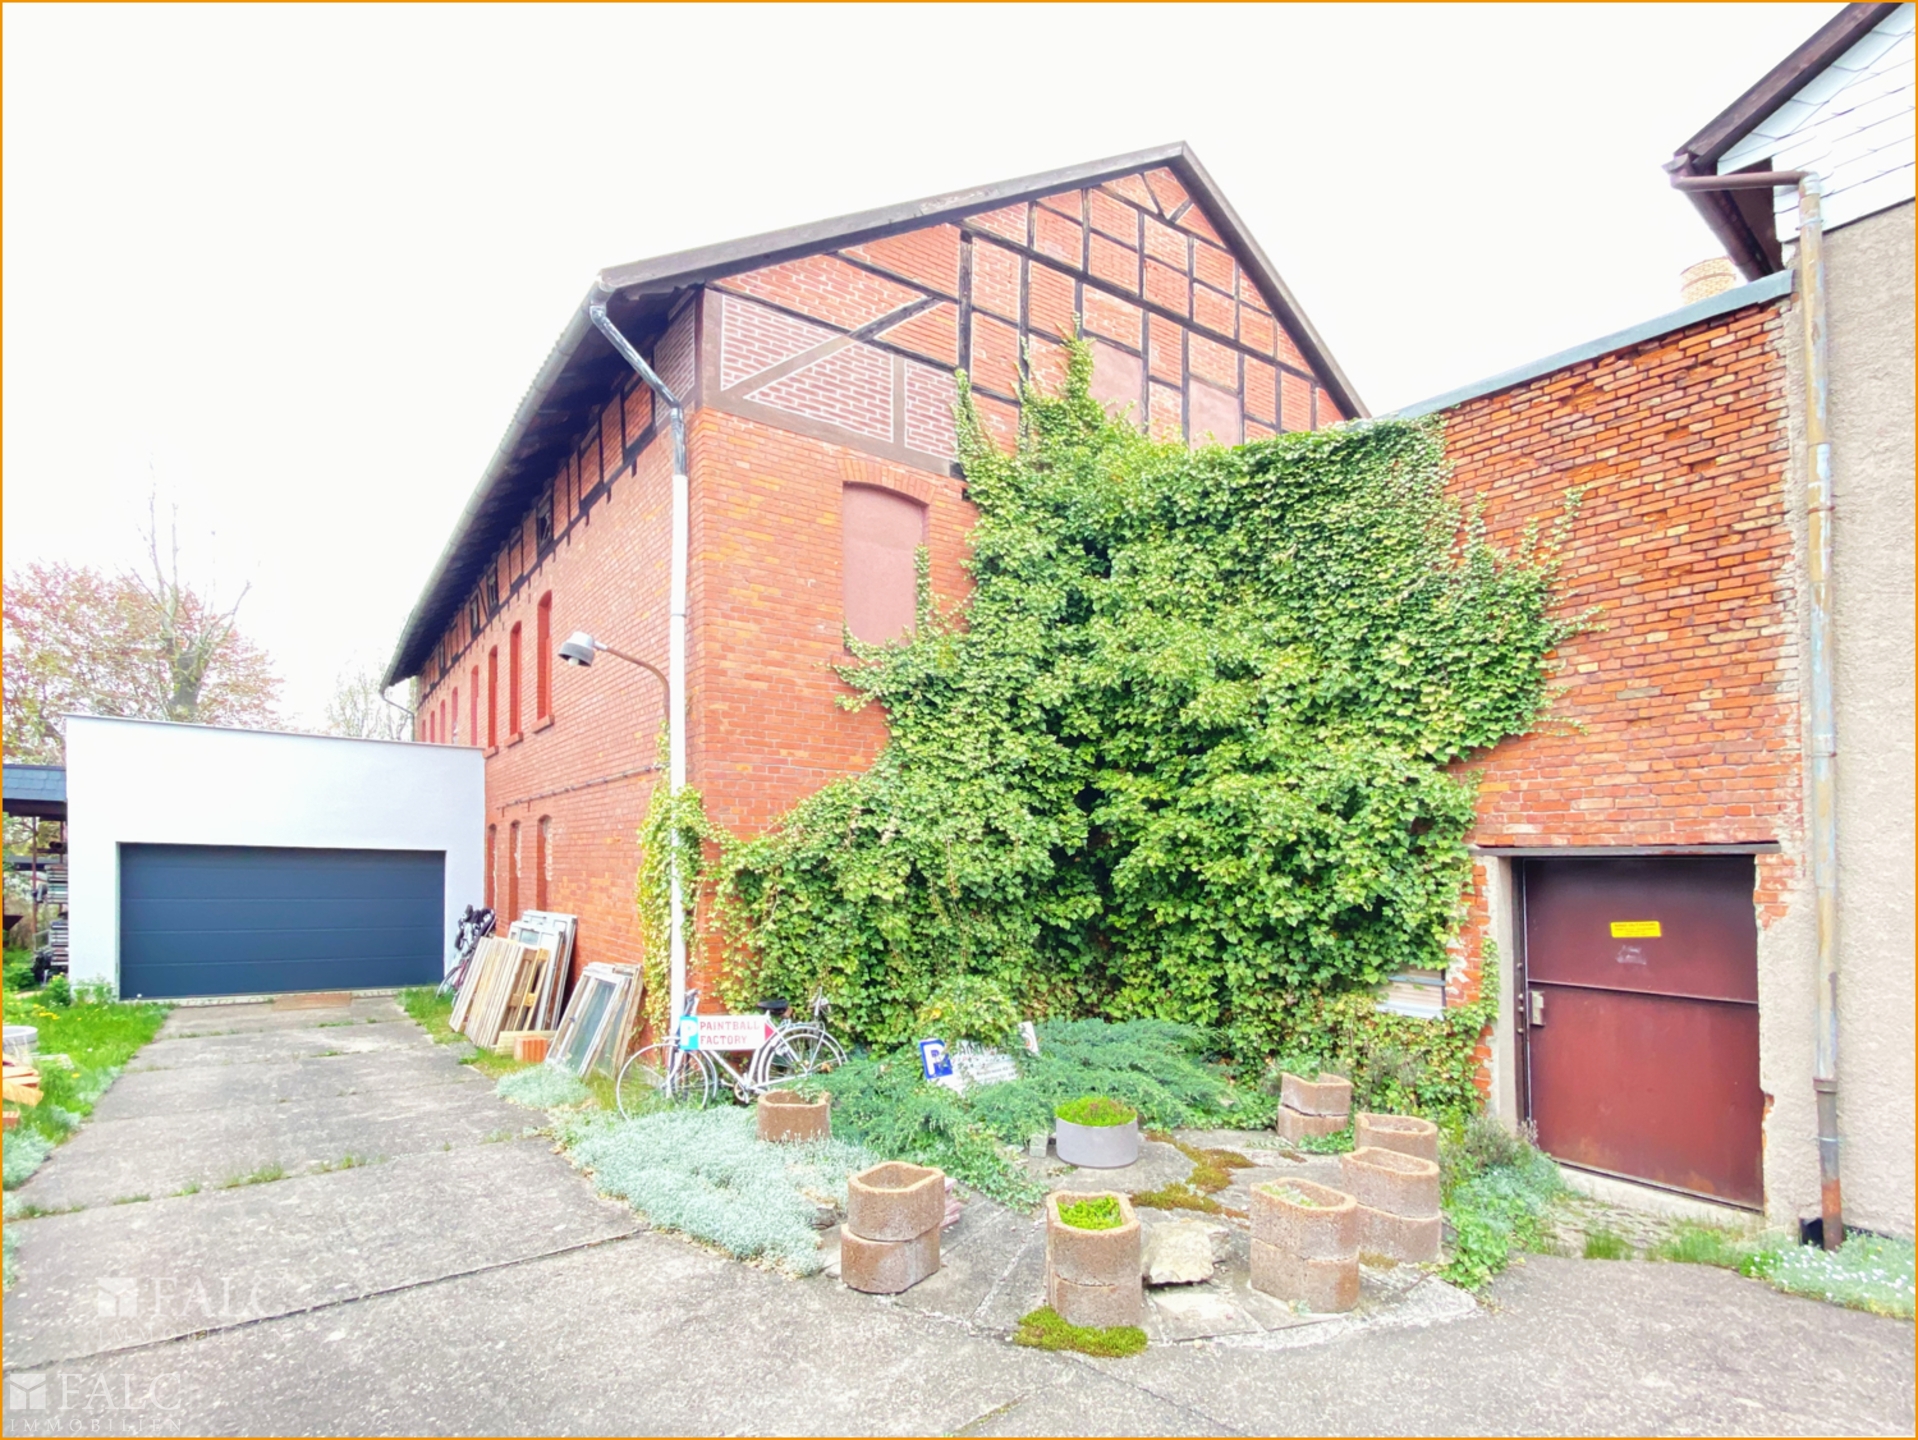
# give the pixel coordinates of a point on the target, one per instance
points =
(187, 1088)
(446, 1292)
(265, 1018)
(128, 1275)
(302, 1041)
(160, 1155)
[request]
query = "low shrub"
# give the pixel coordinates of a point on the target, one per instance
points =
(705, 1173)
(1098, 1212)
(1494, 1208)
(24, 1151)
(1098, 1112)
(1046, 1329)
(1605, 1245)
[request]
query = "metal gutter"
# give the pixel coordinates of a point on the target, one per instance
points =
(1756, 293)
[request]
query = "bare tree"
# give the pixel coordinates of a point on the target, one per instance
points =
(360, 708)
(188, 631)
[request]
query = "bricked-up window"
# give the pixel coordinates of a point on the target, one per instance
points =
(513, 683)
(492, 862)
(512, 874)
(454, 737)
(543, 659)
(492, 698)
(543, 863)
(473, 730)
(883, 531)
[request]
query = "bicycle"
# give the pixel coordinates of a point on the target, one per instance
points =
(666, 1070)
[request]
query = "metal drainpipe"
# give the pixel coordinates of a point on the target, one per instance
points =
(676, 629)
(1824, 728)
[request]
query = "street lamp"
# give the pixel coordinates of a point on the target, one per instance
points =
(580, 648)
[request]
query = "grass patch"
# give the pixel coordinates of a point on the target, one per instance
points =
(542, 1087)
(1096, 1111)
(1101, 1212)
(1044, 1329)
(1605, 1245)
(432, 1012)
(1339, 1142)
(1867, 1272)
(133, 1200)
(192, 1187)
(706, 1173)
(265, 1175)
(96, 1038)
(345, 1162)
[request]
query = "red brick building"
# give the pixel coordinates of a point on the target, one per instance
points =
(816, 370)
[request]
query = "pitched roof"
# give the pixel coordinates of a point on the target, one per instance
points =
(1742, 219)
(581, 369)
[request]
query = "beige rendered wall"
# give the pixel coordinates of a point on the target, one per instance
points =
(1869, 283)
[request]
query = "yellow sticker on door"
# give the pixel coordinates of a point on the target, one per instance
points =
(1636, 930)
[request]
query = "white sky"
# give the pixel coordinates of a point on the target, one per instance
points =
(297, 265)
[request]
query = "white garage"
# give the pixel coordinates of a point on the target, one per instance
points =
(212, 862)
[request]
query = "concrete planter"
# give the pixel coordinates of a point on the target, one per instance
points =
(895, 1201)
(894, 1212)
(1097, 1147)
(1295, 1125)
(1328, 1095)
(1305, 1245)
(1398, 1198)
(1093, 1276)
(1406, 1134)
(788, 1119)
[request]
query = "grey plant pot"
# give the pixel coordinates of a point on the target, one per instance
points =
(1098, 1147)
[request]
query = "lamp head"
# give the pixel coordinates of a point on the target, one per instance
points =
(579, 648)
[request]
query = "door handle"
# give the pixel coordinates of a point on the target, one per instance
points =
(1537, 1001)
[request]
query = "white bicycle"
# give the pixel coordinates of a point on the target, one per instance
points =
(668, 1072)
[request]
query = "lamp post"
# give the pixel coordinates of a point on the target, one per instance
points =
(580, 648)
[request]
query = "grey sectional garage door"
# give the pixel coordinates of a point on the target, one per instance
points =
(245, 920)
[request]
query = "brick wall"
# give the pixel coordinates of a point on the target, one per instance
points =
(805, 377)
(1679, 724)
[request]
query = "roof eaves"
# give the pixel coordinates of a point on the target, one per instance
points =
(1700, 154)
(1756, 293)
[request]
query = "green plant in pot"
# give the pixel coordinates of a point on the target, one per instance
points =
(1097, 1132)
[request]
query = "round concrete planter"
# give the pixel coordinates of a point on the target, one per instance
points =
(1098, 1147)
(788, 1119)
(1092, 1276)
(21, 1043)
(1406, 1134)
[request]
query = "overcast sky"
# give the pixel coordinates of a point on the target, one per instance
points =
(295, 267)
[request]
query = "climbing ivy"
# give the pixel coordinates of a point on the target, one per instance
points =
(1189, 750)
(652, 887)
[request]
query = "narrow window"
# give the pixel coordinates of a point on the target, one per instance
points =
(455, 736)
(543, 660)
(492, 698)
(543, 864)
(492, 861)
(543, 523)
(512, 874)
(473, 730)
(512, 683)
(439, 726)
(882, 535)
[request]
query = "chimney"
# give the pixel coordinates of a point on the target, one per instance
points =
(1706, 279)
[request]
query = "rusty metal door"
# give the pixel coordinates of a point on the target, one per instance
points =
(1640, 1019)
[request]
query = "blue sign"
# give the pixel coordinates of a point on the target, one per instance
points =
(934, 1060)
(689, 1032)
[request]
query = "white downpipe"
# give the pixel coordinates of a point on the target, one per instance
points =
(676, 701)
(675, 636)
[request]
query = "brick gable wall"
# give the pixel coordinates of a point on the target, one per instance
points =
(802, 378)
(1679, 724)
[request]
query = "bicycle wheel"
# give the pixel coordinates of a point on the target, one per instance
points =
(795, 1052)
(662, 1075)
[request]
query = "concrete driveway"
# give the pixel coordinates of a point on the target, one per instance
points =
(419, 1269)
